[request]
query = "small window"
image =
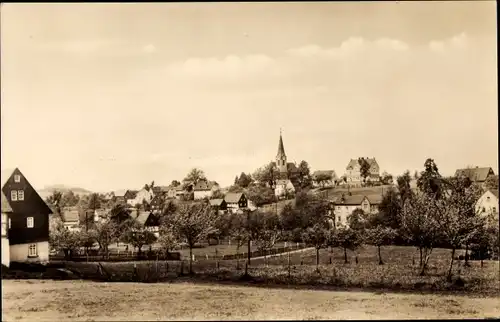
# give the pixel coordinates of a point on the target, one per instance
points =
(30, 222)
(484, 209)
(10, 223)
(20, 195)
(488, 198)
(17, 178)
(32, 251)
(338, 218)
(494, 209)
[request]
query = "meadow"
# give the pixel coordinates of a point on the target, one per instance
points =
(400, 271)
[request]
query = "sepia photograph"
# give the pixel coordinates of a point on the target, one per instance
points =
(249, 161)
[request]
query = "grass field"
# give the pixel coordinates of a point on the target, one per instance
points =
(399, 273)
(202, 252)
(89, 301)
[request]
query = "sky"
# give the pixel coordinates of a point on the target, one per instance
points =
(113, 96)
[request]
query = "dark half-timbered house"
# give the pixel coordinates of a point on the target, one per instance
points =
(29, 221)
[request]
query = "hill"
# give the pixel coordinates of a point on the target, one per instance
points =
(48, 190)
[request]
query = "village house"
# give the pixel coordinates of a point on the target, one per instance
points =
(487, 204)
(324, 178)
(71, 219)
(28, 231)
(175, 192)
(219, 204)
(235, 201)
(6, 211)
(344, 205)
(149, 221)
(141, 196)
(204, 189)
(477, 174)
(158, 202)
(284, 189)
(353, 172)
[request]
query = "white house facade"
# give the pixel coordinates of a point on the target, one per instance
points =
(487, 204)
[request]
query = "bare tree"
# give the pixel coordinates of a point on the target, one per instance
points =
(317, 237)
(419, 226)
(193, 222)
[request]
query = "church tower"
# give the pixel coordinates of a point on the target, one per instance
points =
(281, 163)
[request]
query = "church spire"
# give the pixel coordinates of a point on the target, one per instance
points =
(281, 148)
(281, 156)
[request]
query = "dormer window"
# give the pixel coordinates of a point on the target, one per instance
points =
(17, 178)
(13, 195)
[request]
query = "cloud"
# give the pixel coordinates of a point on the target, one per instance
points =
(348, 48)
(459, 41)
(229, 67)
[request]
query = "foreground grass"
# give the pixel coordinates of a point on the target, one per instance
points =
(89, 301)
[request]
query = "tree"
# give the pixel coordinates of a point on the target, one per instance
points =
(138, 236)
(266, 241)
(57, 202)
(304, 179)
(87, 240)
(217, 194)
(238, 231)
(419, 226)
(119, 213)
(269, 232)
(64, 240)
(430, 180)
(260, 194)
(364, 169)
(404, 186)
(244, 180)
(317, 237)
(389, 214)
(264, 174)
(345, 238)
(167, 240)
(380, 236)
(321, 178)
(193, 222)
(456, 217)
(194, 176)
(175, 183)
(70, 199)
(386, 178)
(105, 233)
(491, 183)
(358, 220)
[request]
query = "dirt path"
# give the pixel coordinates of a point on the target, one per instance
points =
(285, 253)
(90, 301)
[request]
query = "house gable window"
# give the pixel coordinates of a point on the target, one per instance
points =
(17, 178)
(13, 195)
(20, 195)
(32, 251)
(488, 198)
(494, 209)
(30, 222)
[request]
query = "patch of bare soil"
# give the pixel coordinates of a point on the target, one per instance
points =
(42, 300)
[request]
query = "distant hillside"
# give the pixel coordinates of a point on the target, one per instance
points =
(48, 190)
